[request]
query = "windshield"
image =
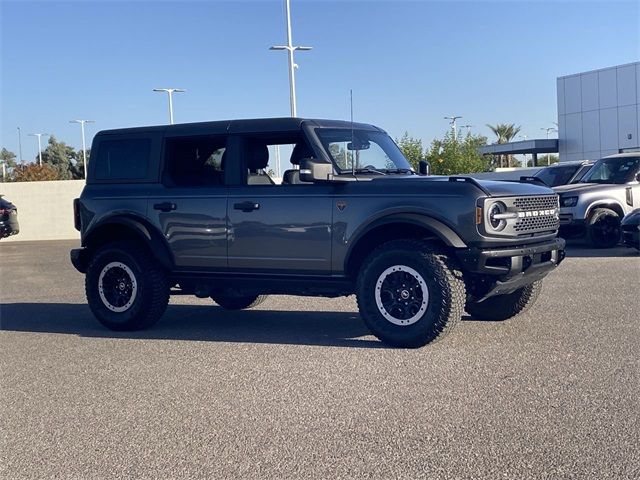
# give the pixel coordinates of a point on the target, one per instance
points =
(554, 176)
(613, 170)
(365, 151)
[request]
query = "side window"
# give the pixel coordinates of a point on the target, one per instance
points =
(194, 161)
(273, 161)
(125, 159)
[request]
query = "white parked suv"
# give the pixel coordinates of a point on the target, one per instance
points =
(596, 204)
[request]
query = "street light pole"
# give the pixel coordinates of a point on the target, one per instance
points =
(170, 93)
(20, 143)
(39, 135)
(290, 48)
(453, 126)
(84, 146)
(548, 129)
(524, 137)
(468, 127)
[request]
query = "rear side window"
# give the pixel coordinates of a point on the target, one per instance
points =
(194, 161)
(123, 159)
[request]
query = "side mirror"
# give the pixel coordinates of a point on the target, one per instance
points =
(424, 168)
(638, 176)
(313, 171)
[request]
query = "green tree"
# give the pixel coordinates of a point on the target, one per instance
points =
(452, 157)
(8, 161)
(412, 149)
(505, 132)
(77, 166)
(61, 157)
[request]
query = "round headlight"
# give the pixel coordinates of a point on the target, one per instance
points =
(495, 209)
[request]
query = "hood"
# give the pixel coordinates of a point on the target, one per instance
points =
(578, 188)
(490, 187)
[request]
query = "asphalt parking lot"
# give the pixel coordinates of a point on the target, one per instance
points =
(297, 388)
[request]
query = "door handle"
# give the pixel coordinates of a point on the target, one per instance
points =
(165, 206)
(246, 206)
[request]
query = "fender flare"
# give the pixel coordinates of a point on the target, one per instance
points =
(603, 203)
(438, 228)
(142, 230)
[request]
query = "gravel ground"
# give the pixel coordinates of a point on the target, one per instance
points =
(297, 388)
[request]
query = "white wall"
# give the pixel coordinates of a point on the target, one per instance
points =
(45, 209)
(599, 112)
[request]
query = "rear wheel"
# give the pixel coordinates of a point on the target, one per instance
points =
(603, 228)
(126, 288)
(240, 302)
(410, 293)
(502, 307)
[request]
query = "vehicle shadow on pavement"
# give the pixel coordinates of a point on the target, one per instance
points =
(199, 322)
(577, 248)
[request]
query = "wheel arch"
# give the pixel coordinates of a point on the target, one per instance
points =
(610, 204)
(396, 226)
(123, 227)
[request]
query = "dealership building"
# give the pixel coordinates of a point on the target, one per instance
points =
(599, 112)
(598, 115)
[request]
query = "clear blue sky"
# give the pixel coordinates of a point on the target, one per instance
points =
(409, 63)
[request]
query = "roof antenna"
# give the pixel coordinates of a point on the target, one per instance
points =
(353, 158)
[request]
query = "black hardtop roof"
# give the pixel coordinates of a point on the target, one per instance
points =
(255, 125)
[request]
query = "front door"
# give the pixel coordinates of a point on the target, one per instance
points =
(273, 227)
(280, 228)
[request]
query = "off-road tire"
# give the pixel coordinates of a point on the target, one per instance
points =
(446, 292)
(152, 295)
(611, 221)
(503, 307)
(242, 302)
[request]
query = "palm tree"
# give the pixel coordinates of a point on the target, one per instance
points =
(505, 133)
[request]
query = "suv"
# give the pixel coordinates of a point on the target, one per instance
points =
(564, 173)
(190, 209)
(596, 204)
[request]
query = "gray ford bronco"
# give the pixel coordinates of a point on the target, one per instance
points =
(595, 206)
(191, 210)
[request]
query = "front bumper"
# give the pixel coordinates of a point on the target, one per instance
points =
(512, 268)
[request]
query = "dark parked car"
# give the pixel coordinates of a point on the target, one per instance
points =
(8, 218)
(190, 209)
(631, 229)
(564, 173)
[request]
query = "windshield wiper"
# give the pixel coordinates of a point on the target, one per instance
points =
(369, 170)
(399, 170)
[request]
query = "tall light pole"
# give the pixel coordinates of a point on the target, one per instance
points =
(39, 135)
(84, 146)
(170, 93)
(454, 128)
(524, 138)
(20, 144)
(290, 48)
(548, 129)
(468, 127)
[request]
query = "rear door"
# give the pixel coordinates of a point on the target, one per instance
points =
(189, 205)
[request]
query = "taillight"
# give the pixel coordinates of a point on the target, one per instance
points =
(76, 214)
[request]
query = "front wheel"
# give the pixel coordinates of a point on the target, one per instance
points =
(126, 288)
(239, 302)
(502, 307)
(410, 293)
(603, 228)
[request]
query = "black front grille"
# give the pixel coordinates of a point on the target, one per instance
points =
(537, 214)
